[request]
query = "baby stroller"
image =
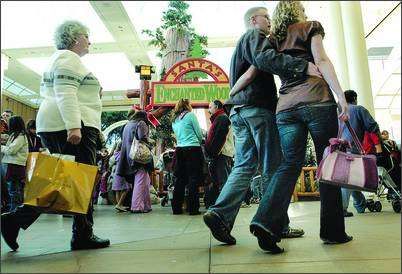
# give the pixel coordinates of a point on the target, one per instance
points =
(386, 184)
(165, 164)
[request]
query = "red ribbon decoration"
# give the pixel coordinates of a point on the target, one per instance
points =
(151, 118)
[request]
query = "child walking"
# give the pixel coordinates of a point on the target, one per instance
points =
(15, 156)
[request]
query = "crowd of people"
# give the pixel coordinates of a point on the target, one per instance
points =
(254, 149)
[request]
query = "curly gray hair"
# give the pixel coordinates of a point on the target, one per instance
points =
(67, 33)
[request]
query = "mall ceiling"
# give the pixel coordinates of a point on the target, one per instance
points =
(118, 44)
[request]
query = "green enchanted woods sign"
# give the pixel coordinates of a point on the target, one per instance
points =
(198, 93)
(170, 90)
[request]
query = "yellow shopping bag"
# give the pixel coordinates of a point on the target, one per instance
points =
(58, 186)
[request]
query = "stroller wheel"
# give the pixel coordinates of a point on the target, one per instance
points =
(377, 206)
(396, 205)
(370, 205)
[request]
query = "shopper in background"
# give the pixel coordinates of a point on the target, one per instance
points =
(15, 156)
(219, 147)
(392, 147)
(119, 183)
(189, 159)
(5, 116)
(34, 141)
(363, 124)
(135, 173)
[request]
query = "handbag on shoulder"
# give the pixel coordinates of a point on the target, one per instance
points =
(345, 169)
(139, 151)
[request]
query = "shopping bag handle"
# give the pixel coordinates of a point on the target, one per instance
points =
(63, 151)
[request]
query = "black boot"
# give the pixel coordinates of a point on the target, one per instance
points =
(265, 240)
(9, 230)
(83, 237)
(91, 242)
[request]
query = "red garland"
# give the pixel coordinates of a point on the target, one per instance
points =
(152, 119)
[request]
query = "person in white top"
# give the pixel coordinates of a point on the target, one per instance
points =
(15, 157)
(68, 122)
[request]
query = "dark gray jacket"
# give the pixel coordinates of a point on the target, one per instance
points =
(254, 48)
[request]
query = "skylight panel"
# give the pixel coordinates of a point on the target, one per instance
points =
(40, 20)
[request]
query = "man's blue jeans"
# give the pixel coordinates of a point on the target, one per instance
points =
(293, 126)
(359, 201)
(256, 144)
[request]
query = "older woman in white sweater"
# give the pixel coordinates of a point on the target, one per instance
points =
(68, 122)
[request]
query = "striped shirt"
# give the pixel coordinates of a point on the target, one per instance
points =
(71, 95)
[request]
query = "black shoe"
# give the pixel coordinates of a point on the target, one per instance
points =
(177, 211)
(347, 213)
(92, 242)
(265, 240)
(218, 228)
(292, 233)
(341, 241)
(9, 230)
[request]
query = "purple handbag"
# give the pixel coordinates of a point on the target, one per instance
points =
(341, 168)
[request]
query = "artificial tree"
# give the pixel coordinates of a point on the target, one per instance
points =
(176, 40)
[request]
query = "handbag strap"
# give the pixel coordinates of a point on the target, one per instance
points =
(356, 140)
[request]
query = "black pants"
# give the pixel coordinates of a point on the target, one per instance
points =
(188, 172)
(219, 169)
(84, 152)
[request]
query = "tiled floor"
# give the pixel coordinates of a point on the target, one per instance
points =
(161, 242)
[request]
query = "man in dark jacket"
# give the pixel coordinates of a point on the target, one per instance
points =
(219, 148)
(252, 113)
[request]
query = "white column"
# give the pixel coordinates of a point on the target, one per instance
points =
(335, 41)
(356, 52)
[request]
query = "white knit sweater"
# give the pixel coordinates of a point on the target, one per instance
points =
(16, 151)
(71, 95)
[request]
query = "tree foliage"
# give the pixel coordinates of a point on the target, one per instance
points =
(164, 132)
(196, 51)
(110, 117)
(177, 17)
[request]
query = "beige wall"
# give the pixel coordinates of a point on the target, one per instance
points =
(26, 112)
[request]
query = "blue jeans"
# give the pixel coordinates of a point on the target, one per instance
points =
(16, 193)
(256, 187)
(4, 190)
(293, 126)
(359, 201)
(256, 145)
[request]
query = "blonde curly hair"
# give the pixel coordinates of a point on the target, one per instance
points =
(285, 14)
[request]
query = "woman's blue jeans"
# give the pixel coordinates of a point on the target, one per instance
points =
(294, 126)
